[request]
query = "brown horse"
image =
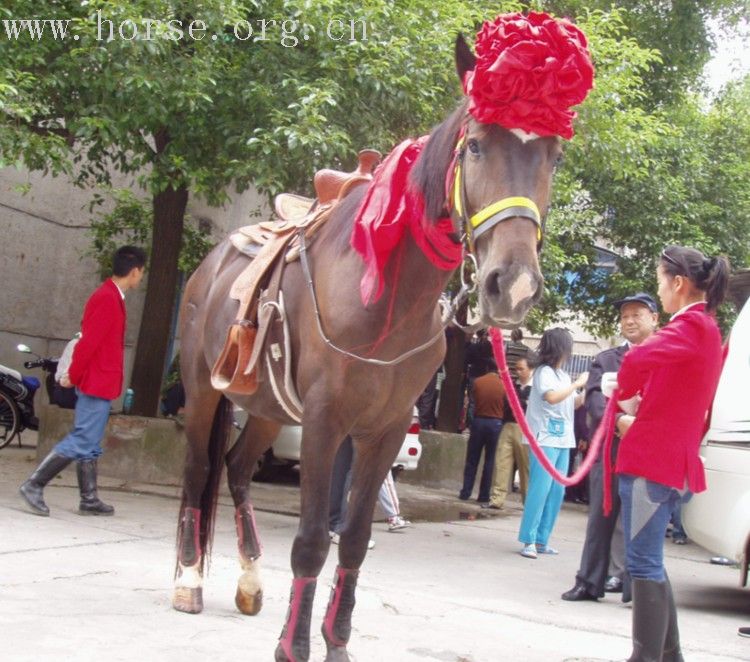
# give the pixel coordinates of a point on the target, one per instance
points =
(342, 395)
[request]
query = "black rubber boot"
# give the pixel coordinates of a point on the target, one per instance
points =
(32, 489)
(672, 652)
(650, 620)
(90, 502)
(627, 588)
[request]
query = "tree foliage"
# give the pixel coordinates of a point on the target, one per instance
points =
(131, 221)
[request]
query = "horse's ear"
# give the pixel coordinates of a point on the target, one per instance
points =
(465, 59)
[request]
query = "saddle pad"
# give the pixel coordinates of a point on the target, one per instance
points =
(246, 286)
(244, 244)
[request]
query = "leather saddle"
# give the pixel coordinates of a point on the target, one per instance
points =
(236, 369)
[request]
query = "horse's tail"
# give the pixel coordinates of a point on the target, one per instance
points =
(217, 446)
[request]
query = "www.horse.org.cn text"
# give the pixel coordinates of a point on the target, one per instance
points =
(288, 33)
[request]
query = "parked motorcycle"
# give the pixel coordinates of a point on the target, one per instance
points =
(17, 396)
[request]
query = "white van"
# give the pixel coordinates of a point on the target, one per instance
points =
(719, 518)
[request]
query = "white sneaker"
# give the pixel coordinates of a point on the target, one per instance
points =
(397, 523)
(336, 539)
(529, 551)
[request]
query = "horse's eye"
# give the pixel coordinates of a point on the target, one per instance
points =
(559, 160)
(473, 146)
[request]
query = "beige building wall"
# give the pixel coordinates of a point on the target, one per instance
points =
(45, 276)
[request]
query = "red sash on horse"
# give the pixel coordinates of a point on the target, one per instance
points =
(390, 207)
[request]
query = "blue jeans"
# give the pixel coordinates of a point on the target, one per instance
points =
(84, 440)
(678, 532)
(646, 509)
(341, 481)
(485, 433)
(544, 497)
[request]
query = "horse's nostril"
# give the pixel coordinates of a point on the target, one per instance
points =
(513, 286)
(493, 283)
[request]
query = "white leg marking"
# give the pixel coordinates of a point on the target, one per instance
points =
(189, 577)
(249, 581)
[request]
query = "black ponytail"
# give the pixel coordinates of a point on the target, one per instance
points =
(710, 275)
(716, 281)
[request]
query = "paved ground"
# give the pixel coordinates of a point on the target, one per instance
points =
(80, 588)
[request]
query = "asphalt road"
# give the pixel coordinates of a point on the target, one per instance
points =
(85, 588)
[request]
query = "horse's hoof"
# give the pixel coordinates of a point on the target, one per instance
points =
(188, 600)
(249, 604)
(337, 654)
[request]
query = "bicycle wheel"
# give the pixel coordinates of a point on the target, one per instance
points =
(10, 419)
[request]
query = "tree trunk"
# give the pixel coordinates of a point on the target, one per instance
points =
(451, 392)
(153, 336)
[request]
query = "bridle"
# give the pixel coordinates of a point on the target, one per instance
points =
(474, 226)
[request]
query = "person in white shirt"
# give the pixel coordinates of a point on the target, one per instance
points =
(552, 402)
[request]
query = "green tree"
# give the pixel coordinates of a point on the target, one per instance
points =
(194, 115)
(673, 170)
(680, 31)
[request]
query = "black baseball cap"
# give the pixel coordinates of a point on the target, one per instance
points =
(638, 297)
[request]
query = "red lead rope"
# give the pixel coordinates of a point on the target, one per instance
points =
(604, 431)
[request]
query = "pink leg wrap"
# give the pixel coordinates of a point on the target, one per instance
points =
(248, 539)
(189, 551)
(337, 624)
(295, 637)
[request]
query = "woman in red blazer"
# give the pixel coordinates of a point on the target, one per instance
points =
(673, 375)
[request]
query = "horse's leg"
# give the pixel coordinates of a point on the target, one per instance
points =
(372, 461)
(202, 420)
(256, 437)
(322, 434)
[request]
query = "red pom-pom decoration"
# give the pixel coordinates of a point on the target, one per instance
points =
(530, 70)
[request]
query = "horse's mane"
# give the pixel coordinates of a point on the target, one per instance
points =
(431, 168)
(427, 176)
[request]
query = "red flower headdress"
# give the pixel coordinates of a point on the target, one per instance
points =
(530, 70)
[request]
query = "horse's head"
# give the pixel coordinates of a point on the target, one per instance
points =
(501, 193)
(530, 70)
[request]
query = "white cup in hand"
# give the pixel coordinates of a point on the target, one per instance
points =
(609, 383)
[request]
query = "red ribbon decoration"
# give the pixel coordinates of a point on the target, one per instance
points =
(531, 69)
(390, 207)
(604, 431)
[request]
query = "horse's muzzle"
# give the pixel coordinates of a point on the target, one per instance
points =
(507, 294)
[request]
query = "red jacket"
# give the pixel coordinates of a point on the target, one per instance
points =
(676, 371)
(96, 368)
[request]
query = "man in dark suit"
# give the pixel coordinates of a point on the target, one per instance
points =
(96, 370)
(638, 319)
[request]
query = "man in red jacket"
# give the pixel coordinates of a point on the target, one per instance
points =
(97, 373)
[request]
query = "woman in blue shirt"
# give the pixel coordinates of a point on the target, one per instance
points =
(550, 415)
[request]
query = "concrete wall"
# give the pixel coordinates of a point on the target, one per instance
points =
(152, 450)
(442, 463)
(45, 278)
(136, 449)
